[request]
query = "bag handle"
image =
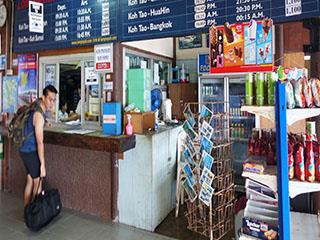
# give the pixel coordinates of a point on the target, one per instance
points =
(40, 182)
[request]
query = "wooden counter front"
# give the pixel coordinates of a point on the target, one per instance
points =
(94, 141)
(83, 167)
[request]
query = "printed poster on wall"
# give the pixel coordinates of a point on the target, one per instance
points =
(242, 47)
(27, 78)
(10, 94)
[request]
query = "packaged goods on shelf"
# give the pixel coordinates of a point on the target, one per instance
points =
(301, 92)
(262, 145)
(254, 166)
(261, 213)
(303, 154)
(259, 229)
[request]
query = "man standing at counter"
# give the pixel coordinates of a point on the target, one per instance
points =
(32, 148)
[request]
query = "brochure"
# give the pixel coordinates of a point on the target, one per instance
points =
(189, 116)
(190, 190)
(206, 194)
(189, 174)
(206, 145)
(189, 144)
(206, 160)
(206, 130)
(188, 158)
(189, 130)
(205, 113)
(206, 177)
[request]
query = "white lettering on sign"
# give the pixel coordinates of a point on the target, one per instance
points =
(109, 119)
(293, 7)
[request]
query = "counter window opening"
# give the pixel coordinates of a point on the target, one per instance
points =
(160, 67)
(79, 99)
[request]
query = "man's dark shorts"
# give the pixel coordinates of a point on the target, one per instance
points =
(32, 163)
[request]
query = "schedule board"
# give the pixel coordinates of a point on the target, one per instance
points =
(89, 22)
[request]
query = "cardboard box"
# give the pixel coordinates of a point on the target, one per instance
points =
(140, 121)
(111, 124)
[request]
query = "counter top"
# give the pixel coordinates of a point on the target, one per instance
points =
(160, 129)
(93, 141)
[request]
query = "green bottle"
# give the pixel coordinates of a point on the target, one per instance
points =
(249, 89)
(260, 89)
(270, 81)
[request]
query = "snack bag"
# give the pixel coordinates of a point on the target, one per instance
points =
(309, 160)
(299, 162)
(299, 97)
(316, 151)
(307, 92)
(290, 159)
(290, 96)
(315, 88)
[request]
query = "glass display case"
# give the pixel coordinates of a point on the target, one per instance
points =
(230, 89)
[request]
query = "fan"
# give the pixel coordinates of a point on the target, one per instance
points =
(156, 99)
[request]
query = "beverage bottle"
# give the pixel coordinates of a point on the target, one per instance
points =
(260, 89)
(249, 89)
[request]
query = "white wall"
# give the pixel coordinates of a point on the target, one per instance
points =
(163, 46)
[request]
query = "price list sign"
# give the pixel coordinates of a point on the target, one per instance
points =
(88, 22)
(201, 14)
(152, 18)
(245, 10)
(67, 23)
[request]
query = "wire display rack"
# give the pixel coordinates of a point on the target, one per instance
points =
(216, 218)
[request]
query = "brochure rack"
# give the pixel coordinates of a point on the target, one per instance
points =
(210, 207)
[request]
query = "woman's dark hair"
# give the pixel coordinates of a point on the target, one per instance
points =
(49, 88)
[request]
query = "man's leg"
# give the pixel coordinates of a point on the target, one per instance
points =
(28, 191)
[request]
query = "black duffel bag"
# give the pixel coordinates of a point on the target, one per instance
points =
(42, 209)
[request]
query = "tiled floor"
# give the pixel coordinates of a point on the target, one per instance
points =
(177, 228)
(67, 226)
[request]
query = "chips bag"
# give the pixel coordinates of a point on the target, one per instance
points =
(299, 97)
(309, 160)
(315, 88)
(299, 162)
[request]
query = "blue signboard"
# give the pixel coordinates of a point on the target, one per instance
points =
(87, 22)
(203, 63)
(67, 23)
(142, 19)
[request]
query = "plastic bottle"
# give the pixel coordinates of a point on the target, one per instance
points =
(183, 74)
(129, 128)
(260, 89)
(249, 89)
(271, 78)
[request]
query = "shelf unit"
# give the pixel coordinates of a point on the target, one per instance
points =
(293, 115)
(270, 179)
(277, 178)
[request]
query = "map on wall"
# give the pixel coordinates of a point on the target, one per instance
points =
(10, 94)
(69, 23)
